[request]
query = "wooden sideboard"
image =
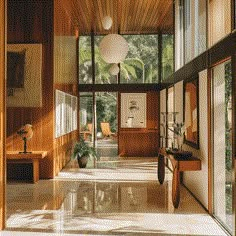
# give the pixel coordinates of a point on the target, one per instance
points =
(33, 158)
(180, 164)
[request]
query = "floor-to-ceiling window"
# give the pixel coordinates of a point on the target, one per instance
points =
(141, 63)
(167, 56)
(85, 60)
(222, 144)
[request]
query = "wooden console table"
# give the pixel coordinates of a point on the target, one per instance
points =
(179, 165)
(15, 157)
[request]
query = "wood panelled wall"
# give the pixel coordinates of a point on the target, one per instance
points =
(2, 113)
(41, 22)
(65, 75)
(32, 22)
(142, 142)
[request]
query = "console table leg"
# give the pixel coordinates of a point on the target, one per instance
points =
(35, 171)
(176, 187)
(161, 169)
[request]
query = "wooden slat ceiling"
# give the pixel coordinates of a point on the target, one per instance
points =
(129, 16)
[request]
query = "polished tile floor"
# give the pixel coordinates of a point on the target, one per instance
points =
(116, 198)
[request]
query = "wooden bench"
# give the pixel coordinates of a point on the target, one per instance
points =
(15, 157)
(179, 165)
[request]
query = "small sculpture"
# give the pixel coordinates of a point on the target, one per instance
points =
(26, 133)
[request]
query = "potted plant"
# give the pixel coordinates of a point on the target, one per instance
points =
(82, 151)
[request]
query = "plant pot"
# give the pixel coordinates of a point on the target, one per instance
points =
(82, 161)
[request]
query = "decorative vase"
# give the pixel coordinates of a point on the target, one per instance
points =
(82, 161)
(180, 141)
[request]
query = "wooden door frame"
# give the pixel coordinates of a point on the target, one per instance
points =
(3, 20)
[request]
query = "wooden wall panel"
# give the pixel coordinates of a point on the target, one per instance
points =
(142, 142)
(32, 22)
(2, 113)
(65, 76)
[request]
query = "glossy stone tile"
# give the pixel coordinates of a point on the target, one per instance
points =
(120, 198)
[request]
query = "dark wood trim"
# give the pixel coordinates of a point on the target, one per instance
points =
(120, 87)
(209, 126)
(221, 50)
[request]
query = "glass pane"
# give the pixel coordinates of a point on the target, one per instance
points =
(106, 117)
(141, 63)
(102, 74)
(179, 34)
(167, 56)
(85, 60)
(219, 20)
(200, 34)
(188, 29)
(195, 28)
(222, 155)
(86, 116)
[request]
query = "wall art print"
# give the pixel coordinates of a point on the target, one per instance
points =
(133, 110)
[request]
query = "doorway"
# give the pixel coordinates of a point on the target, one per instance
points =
(99, 122)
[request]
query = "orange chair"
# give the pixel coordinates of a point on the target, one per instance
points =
(106, 130)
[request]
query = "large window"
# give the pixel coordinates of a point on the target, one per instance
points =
(85, 60)
(102, 74)
(219, 20)
(141, 63)
(167, 56)
(190, 30)
(222, 144)
(194, 28)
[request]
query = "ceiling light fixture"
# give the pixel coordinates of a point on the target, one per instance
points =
(107, 22)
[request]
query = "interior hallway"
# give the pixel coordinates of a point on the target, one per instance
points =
(117, 198)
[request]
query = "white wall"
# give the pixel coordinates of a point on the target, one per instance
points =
(197, 181)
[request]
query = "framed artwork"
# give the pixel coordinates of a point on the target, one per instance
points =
(133, 110)
(191, 109)
(24, 75)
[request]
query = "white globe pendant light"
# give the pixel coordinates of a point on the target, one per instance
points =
(114, 70)
(113, 48)
(107, 22)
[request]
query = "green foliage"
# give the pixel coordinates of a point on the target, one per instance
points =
(106, 105)
(82, 149)
(140, 65)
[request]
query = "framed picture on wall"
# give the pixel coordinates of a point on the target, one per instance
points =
(133, 110)
(191, 110)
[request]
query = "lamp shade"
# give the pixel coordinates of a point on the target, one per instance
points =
(114, 70)
(107, 22)
(113, 48)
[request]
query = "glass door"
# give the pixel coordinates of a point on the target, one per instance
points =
(86, 117)
(106, 125)
(222, 144)
(98, 122)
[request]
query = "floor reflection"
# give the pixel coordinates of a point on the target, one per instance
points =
(74, 203)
